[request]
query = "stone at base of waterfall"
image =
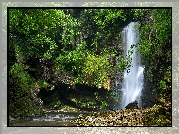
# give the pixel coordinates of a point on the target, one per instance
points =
(132, 105)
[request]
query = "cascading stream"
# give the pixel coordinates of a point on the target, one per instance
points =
(133, 80)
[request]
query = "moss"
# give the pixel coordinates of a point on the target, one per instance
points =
(156, 116)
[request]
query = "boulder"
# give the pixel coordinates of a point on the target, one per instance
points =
(132, 105)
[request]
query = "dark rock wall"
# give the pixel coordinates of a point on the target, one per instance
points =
(148, 97)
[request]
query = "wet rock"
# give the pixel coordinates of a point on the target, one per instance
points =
(132, 105)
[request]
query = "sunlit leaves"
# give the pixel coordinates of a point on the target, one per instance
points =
(96, 68)
(105, 17)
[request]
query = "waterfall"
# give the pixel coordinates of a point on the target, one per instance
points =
(133, 80)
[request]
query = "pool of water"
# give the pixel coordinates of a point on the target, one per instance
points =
(50, 119)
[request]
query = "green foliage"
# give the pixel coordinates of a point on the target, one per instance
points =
(29, 28)
(155, 46)
(89, 101)
(165, 83)
(83, 42)
(103, 25)
(162, 84)
(20, 85)
(95, 69)
(104, 105)
(22, 78)
(106, 17)
(156, 116)
(44, 84)
(72, 62)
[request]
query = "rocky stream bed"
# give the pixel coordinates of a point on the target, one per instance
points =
(157, 115)
(127, 117)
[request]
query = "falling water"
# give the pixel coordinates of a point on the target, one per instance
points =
(133, 81)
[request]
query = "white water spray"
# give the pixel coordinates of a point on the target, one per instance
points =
(133, 81)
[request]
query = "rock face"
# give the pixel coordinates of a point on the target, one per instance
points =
(33, 96)
(116, 80)
(132, 105)
(148, 97)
